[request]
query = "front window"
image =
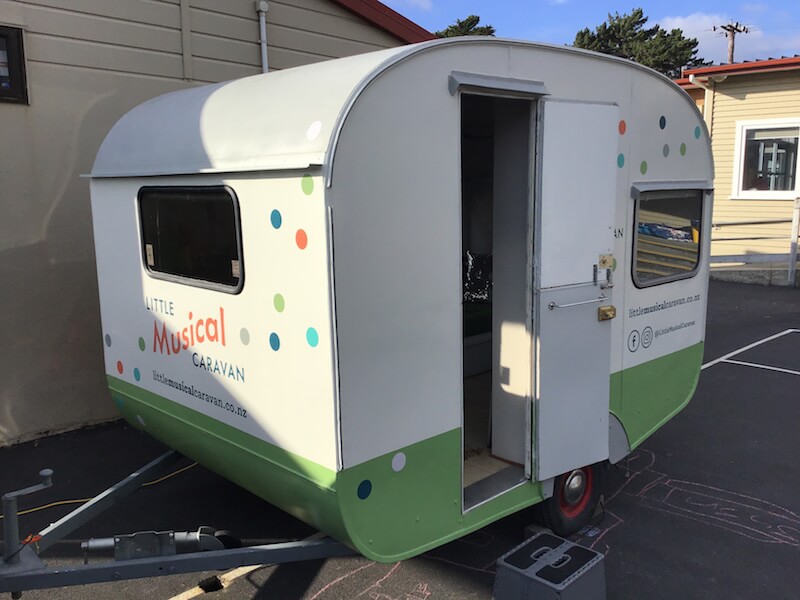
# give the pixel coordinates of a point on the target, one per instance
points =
(192, 235)
(767, 160)
(668, 233)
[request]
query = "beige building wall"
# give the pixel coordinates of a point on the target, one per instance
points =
(89, 62)
(744, 98)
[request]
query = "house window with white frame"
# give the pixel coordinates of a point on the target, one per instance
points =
(767, 159)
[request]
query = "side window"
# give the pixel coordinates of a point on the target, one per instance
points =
(666, 246)
(767, 159)
(12, 66)
(192, 235)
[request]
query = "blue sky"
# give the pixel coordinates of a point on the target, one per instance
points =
(774, 28)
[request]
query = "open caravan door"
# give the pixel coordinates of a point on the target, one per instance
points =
(572, 303)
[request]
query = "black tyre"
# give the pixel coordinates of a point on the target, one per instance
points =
(574, 500)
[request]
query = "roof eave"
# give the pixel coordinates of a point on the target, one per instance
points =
(385, 18)
(764, 66)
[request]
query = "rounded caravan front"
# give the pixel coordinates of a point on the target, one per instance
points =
(404, 294)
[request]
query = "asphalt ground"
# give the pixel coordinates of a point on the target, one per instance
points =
(708, 507)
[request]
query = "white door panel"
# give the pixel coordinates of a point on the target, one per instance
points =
(578, 196)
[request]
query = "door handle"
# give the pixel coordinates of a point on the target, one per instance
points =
(553, 305)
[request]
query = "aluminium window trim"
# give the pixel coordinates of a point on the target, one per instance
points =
(742, 128)
(182, 279)
(17, 93)
(637, 194)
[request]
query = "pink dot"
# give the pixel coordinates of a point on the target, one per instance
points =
(622, 127)
(302, 239)
(119, 367)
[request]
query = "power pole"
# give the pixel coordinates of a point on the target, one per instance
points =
(731, 29)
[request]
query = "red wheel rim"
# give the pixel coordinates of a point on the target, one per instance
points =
(573, 510)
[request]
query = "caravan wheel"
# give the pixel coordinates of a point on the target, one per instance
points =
(575, 497)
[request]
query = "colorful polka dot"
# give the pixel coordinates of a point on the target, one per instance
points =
(665, 150)
(274, 341)
(141, 344)
(683, 149)
(620, 160)
(697, 132)
(398, 462)
(120, 368)
(623, 126)
(662, 122)
(643, 167)
(141, 420)
(137, 375)
(120, 401)
(301, 238)
(307, 183)
(364, 489)
(312, 337)
(279, 303)
(244, 335)
(276, 219)
(108, 340)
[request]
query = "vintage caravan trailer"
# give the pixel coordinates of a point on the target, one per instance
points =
(404, 294)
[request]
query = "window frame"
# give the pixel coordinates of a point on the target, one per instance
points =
(638, 196)
(742, 128)
(181, 279)
(15, 49)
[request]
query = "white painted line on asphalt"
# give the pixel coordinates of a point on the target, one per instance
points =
(748, 347)
(757, 366)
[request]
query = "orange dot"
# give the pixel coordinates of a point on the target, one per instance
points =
(119, 367)
(302, 239)
(622, 127)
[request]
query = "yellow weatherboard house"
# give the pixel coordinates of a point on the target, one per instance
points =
(404, 294)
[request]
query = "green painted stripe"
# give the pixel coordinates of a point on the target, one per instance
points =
(385, 512)
(297, 485)
(645, 397)
(419, 507)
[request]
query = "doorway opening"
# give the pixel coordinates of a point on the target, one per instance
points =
(496, 227)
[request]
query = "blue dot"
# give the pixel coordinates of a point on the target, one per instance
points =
(621, 160)
(137, 375)
(364, 489)
(276, 219)
(312, 337)
(662, 122)
(119, 400)
(274, 341)
(697, 132)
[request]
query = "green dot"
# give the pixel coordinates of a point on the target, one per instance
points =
(620, 160)
(279, 302)
(643, 167)
(141, 344)
(683, 149)
(307, 183)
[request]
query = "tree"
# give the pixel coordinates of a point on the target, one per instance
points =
(626, 36)
(468, 26)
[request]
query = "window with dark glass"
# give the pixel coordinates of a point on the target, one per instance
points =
(192, 234)
(770, 159)
(12, 66)
(668, 233)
